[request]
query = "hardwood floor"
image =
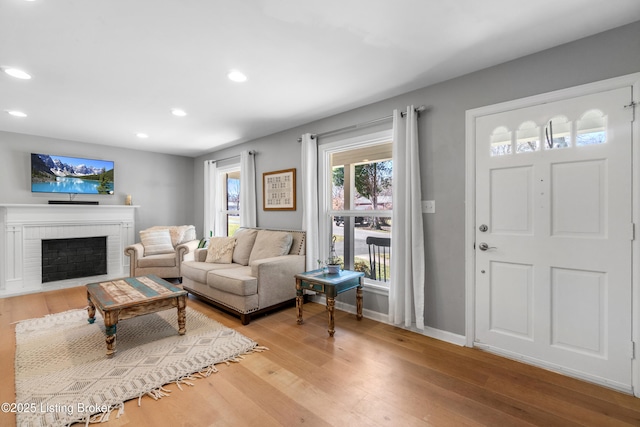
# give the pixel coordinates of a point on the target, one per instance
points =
(370, 374)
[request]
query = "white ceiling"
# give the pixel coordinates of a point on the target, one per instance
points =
(106, 69)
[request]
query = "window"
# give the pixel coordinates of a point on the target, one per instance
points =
(591, 128)
(357, 200)
(527, 138)
(500, 142)
(557, 133)
(228, 206)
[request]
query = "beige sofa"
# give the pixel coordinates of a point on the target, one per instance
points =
(161, 251)
(257, 276)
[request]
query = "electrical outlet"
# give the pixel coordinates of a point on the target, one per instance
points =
(428, 206)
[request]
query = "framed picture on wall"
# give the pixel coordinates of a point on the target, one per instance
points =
(279, 190)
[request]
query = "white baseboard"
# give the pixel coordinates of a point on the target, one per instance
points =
(383, 318)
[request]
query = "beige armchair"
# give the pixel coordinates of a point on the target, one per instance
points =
(161, 251)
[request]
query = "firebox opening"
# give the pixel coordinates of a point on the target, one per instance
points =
(72, 258)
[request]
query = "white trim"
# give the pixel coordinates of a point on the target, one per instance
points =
(324, 191)
(24, 226)
(377, 287)
(438, 334)
(377, 213)
(635, 272)
(632, 80)
(221, 194)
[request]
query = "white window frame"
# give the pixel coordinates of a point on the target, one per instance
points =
(221, 198)
(325, 211)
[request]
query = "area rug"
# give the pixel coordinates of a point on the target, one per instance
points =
(63, 375)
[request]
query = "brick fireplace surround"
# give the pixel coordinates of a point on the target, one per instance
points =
(23, 227)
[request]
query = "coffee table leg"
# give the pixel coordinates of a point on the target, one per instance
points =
(331, 302)
(110, 322)
(182, 315)
(111, 340)
(91, 309)
(359, 301)
(299, 300)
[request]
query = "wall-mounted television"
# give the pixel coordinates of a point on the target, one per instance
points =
(72, 175)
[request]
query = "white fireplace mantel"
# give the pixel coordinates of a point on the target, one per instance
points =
(24, 226)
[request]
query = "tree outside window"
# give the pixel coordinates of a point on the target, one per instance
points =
(361, 204)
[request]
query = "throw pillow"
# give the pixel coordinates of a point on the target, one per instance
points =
(187, 233)
(156, 242)
(245, 237)
(270, 244)
(220, 250)
(179, 233)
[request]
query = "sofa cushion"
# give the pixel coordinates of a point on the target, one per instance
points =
(156, 242)
(197, 271)
(161, 260)
(245, 238)
(238, 281)
(298, 245)
(220, 250)
(179, 233)
(270, 244)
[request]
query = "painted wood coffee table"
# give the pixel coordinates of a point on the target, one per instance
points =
(129, 297)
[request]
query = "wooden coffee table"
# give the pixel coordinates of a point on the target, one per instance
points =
(129, 297)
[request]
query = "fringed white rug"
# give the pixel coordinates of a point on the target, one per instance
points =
(64, 376)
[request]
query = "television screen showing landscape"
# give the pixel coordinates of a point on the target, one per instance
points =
(60, 174)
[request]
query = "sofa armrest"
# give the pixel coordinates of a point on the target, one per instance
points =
(200, 254)
(134, 251)
(185, 251)
(276, 281)
(293, 263)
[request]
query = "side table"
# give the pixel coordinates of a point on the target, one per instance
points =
(331, 285)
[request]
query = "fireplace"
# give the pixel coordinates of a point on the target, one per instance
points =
(24, 229)
(71, 258)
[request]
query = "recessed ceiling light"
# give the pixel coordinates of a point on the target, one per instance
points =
(237, 76)
(16, 113)
(142, 135)
(178, 112)
(18, 74)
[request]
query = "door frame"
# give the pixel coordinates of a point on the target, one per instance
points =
(632, 80)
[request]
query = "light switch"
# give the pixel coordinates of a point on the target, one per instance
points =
(428, 206)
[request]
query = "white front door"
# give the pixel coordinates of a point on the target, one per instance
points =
(554, 235)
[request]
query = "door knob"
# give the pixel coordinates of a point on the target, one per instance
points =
(485, 247)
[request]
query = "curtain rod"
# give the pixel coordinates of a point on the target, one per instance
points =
(363, 124)
(251, 153)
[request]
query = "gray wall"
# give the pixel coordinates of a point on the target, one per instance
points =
(442, 135)
(160, 184)
(275, 152)
(176, 198)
